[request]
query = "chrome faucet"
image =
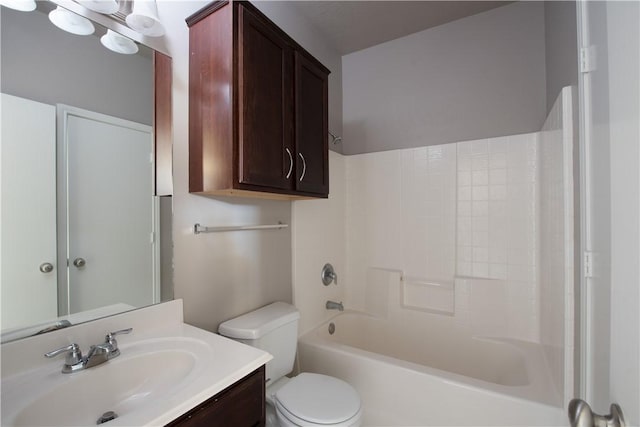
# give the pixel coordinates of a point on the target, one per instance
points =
(332, 305)
(98, 354)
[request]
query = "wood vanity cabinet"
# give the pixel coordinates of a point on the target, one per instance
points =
(239, 405)
(258, 108)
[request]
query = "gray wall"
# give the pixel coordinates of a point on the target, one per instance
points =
(46, 64)
(561, 47)
(478, 77)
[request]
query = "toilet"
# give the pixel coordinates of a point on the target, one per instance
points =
(306, 399)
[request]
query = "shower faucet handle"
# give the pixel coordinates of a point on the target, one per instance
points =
(328, 275)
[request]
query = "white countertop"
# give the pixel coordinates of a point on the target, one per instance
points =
(220, 362)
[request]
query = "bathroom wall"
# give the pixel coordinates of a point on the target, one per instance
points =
(560, 48)
(51, 56)
(223, 275)
(479, 77)
(556, 240)
(613, 208)
(319, 229)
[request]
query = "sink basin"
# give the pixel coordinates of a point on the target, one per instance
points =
(135, 380)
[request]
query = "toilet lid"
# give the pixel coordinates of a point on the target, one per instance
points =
(319, 399)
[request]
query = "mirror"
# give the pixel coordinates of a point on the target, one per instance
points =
(83, 235)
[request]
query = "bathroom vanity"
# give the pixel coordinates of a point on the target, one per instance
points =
(167, 373)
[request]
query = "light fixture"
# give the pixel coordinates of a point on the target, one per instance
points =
(70, 22)
(118, 43)
(144, 18)
(21, 5)
(101, 6)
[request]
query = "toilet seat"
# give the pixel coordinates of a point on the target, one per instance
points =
(314, 399)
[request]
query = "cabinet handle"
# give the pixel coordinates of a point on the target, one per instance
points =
(290, 163)
(304, 166)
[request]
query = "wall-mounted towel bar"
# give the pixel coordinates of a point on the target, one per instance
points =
(197, 228)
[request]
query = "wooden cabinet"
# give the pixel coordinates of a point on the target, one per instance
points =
(162, 129)
(239, 405)
(258, 108)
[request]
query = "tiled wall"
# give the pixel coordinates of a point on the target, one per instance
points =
(556, 241)
(497, 222)
(436, 212)
(400, 214)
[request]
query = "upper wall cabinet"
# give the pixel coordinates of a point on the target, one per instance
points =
(258, 108)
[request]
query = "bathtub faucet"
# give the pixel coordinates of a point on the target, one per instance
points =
(332, 305)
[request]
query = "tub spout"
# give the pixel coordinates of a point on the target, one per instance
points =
(332, 305)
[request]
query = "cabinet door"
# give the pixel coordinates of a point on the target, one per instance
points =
(311, 109)
(240, 405)
(265, 105)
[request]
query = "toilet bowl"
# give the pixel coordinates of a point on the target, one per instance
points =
(307, 399)
(315, 400)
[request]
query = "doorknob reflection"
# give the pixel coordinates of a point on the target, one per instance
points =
(46, 267)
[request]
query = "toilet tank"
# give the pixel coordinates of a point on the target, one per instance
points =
(272, 328)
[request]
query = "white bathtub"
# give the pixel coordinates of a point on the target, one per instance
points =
(433, 378)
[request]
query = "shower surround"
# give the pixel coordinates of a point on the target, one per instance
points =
(475, 236)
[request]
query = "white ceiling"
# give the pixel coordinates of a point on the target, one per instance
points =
(354, 25)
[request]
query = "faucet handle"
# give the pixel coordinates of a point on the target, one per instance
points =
(74, 354)
(111, 335)
(110, 339)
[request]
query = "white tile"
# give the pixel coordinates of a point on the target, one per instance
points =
(464, 239)
(465, 254)
(480, 223)
(480, 193)
(480, 254)
(498, 145)
(497, 176)
(465, 148)
(464, 224)
(497, 192)
(497, 255)
(480, 177)
(464, 269)
(464, 208)
(497, 209)
(480, 238)
(464, 193)
(497, 160)
(480, 269)
(479, 162)
(464, 164)
(464, 178)
(498, 271)
(479, 147)
(480, 208)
